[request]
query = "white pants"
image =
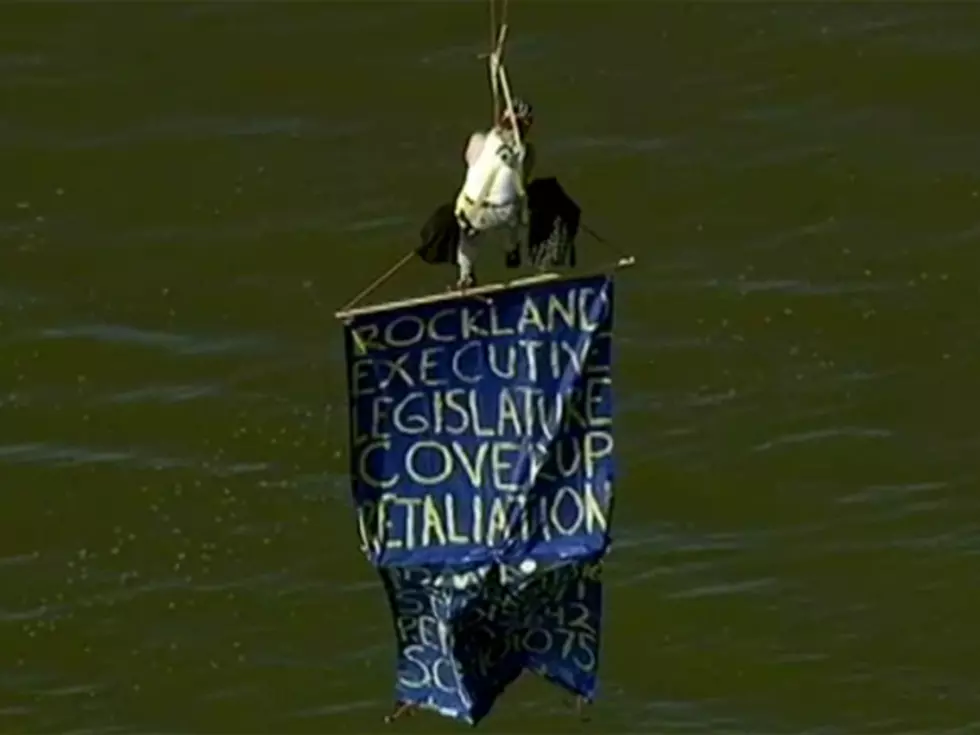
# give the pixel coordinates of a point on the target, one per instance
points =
(486, 219)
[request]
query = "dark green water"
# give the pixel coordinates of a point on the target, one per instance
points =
(187, 192)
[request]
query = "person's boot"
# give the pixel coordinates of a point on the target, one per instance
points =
(466, 282)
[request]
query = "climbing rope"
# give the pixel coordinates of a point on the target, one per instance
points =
(497, 32)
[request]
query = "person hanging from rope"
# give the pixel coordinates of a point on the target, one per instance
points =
(493, 196)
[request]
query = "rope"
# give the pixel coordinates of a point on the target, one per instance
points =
(617, 250)
(379, 281)
(495, 100)
(500, 48)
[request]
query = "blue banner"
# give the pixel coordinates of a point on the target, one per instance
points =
(482, 472)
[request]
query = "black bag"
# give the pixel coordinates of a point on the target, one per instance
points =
(554, 224)
(440, 236)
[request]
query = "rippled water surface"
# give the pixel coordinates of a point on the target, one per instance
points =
(187, 193)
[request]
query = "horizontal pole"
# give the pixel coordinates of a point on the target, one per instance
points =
(478, 291)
